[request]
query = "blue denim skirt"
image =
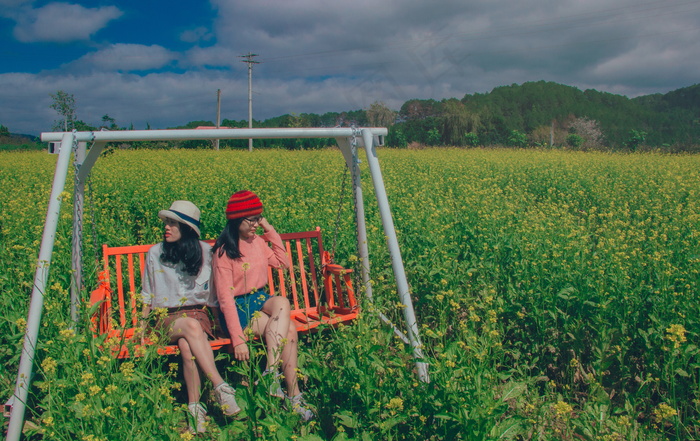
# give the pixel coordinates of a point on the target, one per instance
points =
(246, 305)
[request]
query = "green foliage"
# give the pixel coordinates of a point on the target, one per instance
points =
(25, 146)
(396, 138)
(64, 104)
(457, 121)
(517, 139)
(555, 299)
(636, 139)
(433, 137)
(380, 115)
(574, 140)
(668, 119)
(471, 139)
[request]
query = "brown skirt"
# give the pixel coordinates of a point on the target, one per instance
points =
(197, 312)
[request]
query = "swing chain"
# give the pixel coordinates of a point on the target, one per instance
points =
(355, 176)
(340, 210)
(93, 221)
(355, 133)
(343, 186)
(77, 238)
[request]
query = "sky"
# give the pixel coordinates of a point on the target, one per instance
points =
(159, 64)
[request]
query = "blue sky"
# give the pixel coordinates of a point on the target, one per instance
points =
(160, 63)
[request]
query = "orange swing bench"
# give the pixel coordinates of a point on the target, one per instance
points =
(312, 304)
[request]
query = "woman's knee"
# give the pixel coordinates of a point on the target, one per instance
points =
(187, 327)
(277, 304)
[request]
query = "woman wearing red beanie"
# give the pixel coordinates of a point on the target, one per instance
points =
(239, 276)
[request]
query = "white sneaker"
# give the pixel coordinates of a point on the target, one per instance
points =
(275, 387)
(225, 395)
(298, 405)
(198, 417)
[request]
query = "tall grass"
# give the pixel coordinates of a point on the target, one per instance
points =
(555, 293)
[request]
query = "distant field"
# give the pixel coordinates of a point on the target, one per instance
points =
(556, 294)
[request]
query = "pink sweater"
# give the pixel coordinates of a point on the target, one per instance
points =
(232, 278)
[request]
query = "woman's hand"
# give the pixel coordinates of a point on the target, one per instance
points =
(241, 352)
(264, 224)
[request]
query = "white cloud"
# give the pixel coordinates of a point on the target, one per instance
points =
(331, 56)
(196, 35)
(125, 58)
(405, 43)
(167, 100)
(213, 57)
(63, 22)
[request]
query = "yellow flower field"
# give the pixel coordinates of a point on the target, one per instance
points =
(556, 293)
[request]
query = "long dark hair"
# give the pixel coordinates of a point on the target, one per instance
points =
(187, 251)
(227, 242)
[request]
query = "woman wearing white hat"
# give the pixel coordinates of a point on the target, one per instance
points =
(176, 279)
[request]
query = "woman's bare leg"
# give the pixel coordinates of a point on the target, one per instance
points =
(189, 329)
(290, 361)
(190, 371)
(273, 326)
(280, 334)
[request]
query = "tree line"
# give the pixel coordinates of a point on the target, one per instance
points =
(532, 114)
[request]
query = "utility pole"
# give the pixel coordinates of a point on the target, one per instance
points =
(248, 58)
(218, 116)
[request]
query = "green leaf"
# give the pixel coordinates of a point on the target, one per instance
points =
(347, 420)
(508, 429)
(513, 390)
(682, 373)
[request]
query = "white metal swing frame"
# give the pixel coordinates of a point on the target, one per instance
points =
(348, 139)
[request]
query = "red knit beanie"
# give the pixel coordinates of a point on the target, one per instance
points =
(243, 204)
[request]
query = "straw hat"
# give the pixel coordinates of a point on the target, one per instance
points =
(185, 212)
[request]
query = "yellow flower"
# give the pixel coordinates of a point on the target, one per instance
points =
(664, 412)
(87, 378)
(676, 335)
(127, 368)
(395, 403)
(94, 390)
(67, 333)
(562, 408)
(49, 365)
(21, 324)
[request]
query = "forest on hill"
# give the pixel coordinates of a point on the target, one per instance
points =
(532, 114)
